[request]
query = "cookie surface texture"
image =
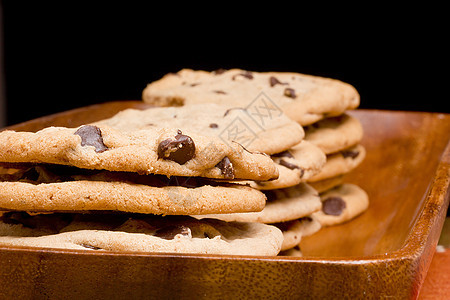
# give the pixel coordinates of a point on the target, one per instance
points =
(340, 163)
(282, 205)
(341, 204)
(265, 130)
(57, 188)
(304, 98)
(335, 134)
(151, 151)
(298, 164)
(171, 235)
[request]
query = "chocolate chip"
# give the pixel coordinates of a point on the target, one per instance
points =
(333, 206)
(213, 125)
(230, 109)
(169, 232)
(194, 84)
(90, 247)
(246, 74)
(91, 136)
(292, 166)
(220, 92)
(226, 167)
(283, 154)
(219, 71)
(350, 153)
(180, 150)
(274, 81)
(288, 164)
(289, 92)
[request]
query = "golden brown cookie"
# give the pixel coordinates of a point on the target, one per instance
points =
(304, 98)
(143, 234)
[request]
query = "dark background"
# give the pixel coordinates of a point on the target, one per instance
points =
(62, 56)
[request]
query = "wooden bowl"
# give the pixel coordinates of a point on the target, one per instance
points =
(383, 253)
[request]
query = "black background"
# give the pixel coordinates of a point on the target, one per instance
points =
(61, 56)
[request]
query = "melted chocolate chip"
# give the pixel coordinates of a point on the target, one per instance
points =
(219, 71)
(246, 74)
(274, 81)
(220, 92)
(289, 92)
(91, 136)
(288, 164)
(169, 232)
(90, 247)
(213, 125)
(180, 150)
(350, 153)
(226, 167)
(283, 154)
(230, 109)
(333, 206)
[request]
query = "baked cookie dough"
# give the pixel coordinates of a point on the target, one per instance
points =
(266, 131)
(295, 165)
(304, 98)
(282, 205)
(335, 133)
(49, 188)
(141, 234)
(340, 163)
(164, 151)
(341, 204)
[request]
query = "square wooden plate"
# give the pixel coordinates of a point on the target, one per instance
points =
(383, 253)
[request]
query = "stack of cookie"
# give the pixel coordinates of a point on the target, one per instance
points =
(339, 137)
(113, 186)
(329, 150)
(289, 198)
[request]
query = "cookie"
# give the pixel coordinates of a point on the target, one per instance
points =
(150, 234)
(295, 165)
(151, 151)
(264, 130)
(293, 231)
(341, 204)
(340, 163)
(327, 184)
(304, 98)
(335, 133)
(59, 188)
(282, 205)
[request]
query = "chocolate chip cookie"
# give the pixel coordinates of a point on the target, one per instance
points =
(282, 205)
(47, 188)
(335, 133)
(298, 164)
(265, 130)
(304, 98)
(139, 233)
(167, 151)
(340, 163)
(341, 204)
